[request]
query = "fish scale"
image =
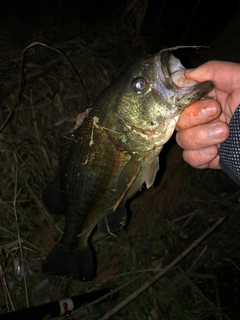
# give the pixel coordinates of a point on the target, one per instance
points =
(84, 174)
(112, 153)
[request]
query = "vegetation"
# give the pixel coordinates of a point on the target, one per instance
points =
(155, 265)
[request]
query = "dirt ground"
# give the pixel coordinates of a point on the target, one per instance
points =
(164, 220)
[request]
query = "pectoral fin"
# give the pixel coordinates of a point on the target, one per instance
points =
(129, 174)
(152, 171)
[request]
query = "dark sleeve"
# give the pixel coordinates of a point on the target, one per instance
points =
(229, 151)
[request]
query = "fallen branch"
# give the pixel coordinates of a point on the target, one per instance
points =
(149, 283)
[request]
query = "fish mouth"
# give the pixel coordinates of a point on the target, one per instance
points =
(178, 91)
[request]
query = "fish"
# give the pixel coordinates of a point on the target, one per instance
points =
(112, 154)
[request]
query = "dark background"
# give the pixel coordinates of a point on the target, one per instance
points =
(166, 23)
(114, 33)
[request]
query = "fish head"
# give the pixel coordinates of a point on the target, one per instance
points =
(155, 94)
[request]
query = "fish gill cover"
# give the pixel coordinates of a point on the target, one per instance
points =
(165, 219)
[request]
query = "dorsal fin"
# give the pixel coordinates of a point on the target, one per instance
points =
(53, 195)
(64, 148)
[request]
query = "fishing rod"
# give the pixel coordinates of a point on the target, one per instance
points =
(58, 308)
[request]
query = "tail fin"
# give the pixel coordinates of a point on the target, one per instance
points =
(70, 263)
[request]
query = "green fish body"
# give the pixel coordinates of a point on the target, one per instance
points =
(113, 152)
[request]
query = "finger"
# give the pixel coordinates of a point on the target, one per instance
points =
(203, 136)
(225, 75)
(203, 158)
(202, 111)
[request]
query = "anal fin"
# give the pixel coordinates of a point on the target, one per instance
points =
(114, 221)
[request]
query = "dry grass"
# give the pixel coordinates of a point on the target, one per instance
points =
(42, 91)
(165, 220)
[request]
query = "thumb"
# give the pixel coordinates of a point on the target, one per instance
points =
(225, 75)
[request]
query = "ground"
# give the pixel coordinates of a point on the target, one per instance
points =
(165, 220)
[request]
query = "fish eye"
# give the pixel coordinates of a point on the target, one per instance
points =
(139, 85)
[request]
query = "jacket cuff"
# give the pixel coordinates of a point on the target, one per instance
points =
(229, 151)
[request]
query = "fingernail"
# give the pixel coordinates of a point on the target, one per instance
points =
(209, 109)
(217, 131)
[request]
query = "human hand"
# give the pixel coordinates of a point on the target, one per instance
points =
(203, 126)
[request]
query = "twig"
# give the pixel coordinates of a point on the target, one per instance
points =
(35, 120)
(44, 152)
(22, 78)
(199, 292)
(6, 291)
(198, 257)
(233, 263)
(142, 272)
(23, 240)
(16, 194)
(149, 283)
(184, 216)
(10, 245)
(40, 205)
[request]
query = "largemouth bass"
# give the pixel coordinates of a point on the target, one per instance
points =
(113, 153)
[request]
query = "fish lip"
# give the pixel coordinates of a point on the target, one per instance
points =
(173, 73)
(166, 64)
(164, 57)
